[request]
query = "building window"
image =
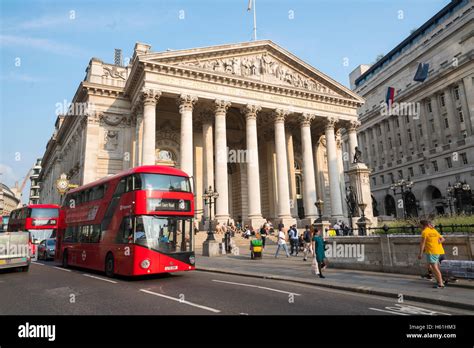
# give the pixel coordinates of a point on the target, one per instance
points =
(400, 174)
(379, 130)
(420, 130)
(430, 109)
(460, 115)
(388, 126)
(449, 162)
(446, 123)
(391, 177)
(432, 125)
(464, 158)
(298, 185)
(407, 119)
(435, 165)
(374, 180)
(390, 142)
(397, 123)
(399, 139)
(441, 99)
(456, 93)
(381, 146)
(382, 178)
(410, 171)
(409, 135)
(422, 169)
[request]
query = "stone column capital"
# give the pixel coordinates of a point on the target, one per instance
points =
(279, 115)
(221, 106)
(186, 102)
(305, 119)
(150, 96)
(250, 111)
(331, 122)
(353, 126)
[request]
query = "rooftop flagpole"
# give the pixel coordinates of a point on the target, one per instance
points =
(252, 2)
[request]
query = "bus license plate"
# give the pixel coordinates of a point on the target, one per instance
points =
(171, 268)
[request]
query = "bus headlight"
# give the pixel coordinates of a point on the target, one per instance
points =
(192, 260)
(145, 264)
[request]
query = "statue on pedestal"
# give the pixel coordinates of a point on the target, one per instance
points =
(357, 155)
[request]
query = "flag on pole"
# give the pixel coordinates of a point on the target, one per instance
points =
(249, 7)
(421, 72)
(390, 96)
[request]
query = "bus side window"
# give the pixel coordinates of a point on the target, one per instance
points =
(84, 234)
(95, 234)
(137, 182)
(99, 194)
(120, 187)
(68, 235)
(128, 183)
(125, 234)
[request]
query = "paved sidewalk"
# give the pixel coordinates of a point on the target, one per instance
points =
(459, 295)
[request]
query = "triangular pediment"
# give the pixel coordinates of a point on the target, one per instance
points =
(261, 61)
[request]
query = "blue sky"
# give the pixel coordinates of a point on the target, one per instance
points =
(46, 46)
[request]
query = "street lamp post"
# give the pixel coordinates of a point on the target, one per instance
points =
(209, 197)
(450, 197)
(319, 205)
(455, 195)
(405, 187)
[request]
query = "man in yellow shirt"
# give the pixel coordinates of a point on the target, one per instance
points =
(431, 245)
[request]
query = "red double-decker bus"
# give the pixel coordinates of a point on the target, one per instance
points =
(133, 223)
(41, 220)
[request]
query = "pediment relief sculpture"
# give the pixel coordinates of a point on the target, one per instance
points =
(263, 67)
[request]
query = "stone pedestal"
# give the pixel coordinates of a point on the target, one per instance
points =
(256, 222)
(210, 248)
(359, 181)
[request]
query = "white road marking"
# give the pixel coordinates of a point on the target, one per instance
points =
(256, 286)
(181, 301)
(105, 280)
(62, 269)
(381, 310)
(37, 263)
(403, 309)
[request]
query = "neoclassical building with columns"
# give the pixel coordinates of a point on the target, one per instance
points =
(253, 121)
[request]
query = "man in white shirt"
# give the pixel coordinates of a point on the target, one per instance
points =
(282, 242)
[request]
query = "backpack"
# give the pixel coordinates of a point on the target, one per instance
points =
(307, 236)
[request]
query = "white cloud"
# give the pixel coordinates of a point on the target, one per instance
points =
(37, 43)
(43, 22)
(13, 76)
(8, 176)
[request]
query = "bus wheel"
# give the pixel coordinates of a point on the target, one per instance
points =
(65, 259)
(109, 265)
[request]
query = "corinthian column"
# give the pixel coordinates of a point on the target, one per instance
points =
(282, 168)
(309, 183)
(150, 98)
(222, 203)
(352, 135)
(253, 173)
(334, 187)
(186, 104)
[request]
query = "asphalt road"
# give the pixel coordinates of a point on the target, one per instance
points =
(49, 289)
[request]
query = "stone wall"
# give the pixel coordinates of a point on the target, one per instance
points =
(392, 253)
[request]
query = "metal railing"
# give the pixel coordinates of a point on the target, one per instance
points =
(416, 230)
